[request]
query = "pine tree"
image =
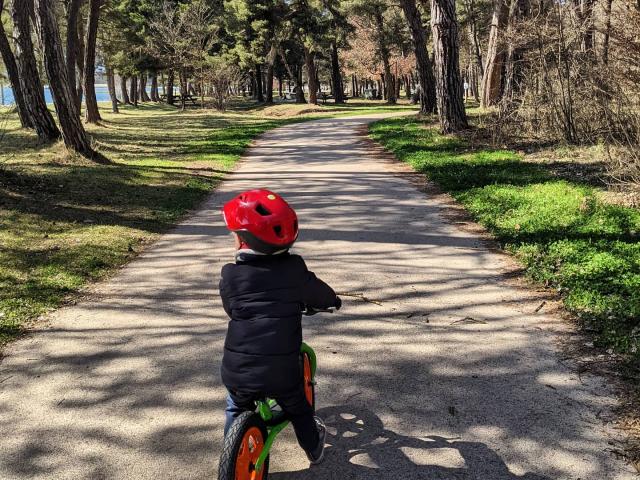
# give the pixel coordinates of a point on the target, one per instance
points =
(41, 118)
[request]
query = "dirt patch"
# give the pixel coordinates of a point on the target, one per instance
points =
(294, 109)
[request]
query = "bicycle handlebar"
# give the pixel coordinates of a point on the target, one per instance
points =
(309, 310)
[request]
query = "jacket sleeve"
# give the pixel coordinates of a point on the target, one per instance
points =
(316, 293)
(224, 295)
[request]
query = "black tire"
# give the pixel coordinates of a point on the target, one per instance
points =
(233, 441)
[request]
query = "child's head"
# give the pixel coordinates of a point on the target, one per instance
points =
(262, 221)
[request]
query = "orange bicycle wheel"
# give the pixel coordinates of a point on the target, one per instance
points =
(242, 447)
(248, 453)
(307, 378)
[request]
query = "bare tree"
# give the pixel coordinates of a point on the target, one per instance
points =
(181, 37)
(220, 74)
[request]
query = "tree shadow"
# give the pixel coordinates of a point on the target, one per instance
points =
(359, 447)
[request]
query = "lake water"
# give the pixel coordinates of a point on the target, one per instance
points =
(102, 94)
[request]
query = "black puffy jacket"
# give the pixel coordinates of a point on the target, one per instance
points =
(264, 295)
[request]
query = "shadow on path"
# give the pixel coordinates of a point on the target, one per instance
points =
(359, 447)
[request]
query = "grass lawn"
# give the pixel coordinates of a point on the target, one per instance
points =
(557, 226)
(65, 221)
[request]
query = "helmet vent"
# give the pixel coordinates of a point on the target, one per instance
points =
(278, 230)
(262, 210)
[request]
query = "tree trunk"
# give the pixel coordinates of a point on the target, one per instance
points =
(182, 77)
(311, 74)
(92, 114)
(144, 96)
(269, 86)
(297, 77)
(584, 12)
(383, 49)
(492, 78)
(444, 26)
(271, 58)
(252, 84)
(336, 76)
(111, 86)
(133, 89)
(473, 81)
(123, 90)
(73, 133)
(155, 97)
(80, 54)
(170, 79)
(472, 30)
(514, 70)
(607, 31)
(73, 9)
(298, 86)
(39, 115)
(280, 92)
(12, 72)
(259, 89)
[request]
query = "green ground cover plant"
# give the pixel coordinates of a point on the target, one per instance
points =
(565, 236)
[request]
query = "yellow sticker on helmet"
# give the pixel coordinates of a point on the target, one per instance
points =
(271, 196)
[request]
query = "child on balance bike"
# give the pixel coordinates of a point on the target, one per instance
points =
(264, 294)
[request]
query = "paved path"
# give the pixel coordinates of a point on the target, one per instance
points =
(445, 374)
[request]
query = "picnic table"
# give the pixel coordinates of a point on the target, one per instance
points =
(188, 98)
(324, 96)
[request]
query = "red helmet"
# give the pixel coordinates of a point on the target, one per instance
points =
(262, 220)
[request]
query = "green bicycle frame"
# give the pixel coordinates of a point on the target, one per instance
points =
(265, 409)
